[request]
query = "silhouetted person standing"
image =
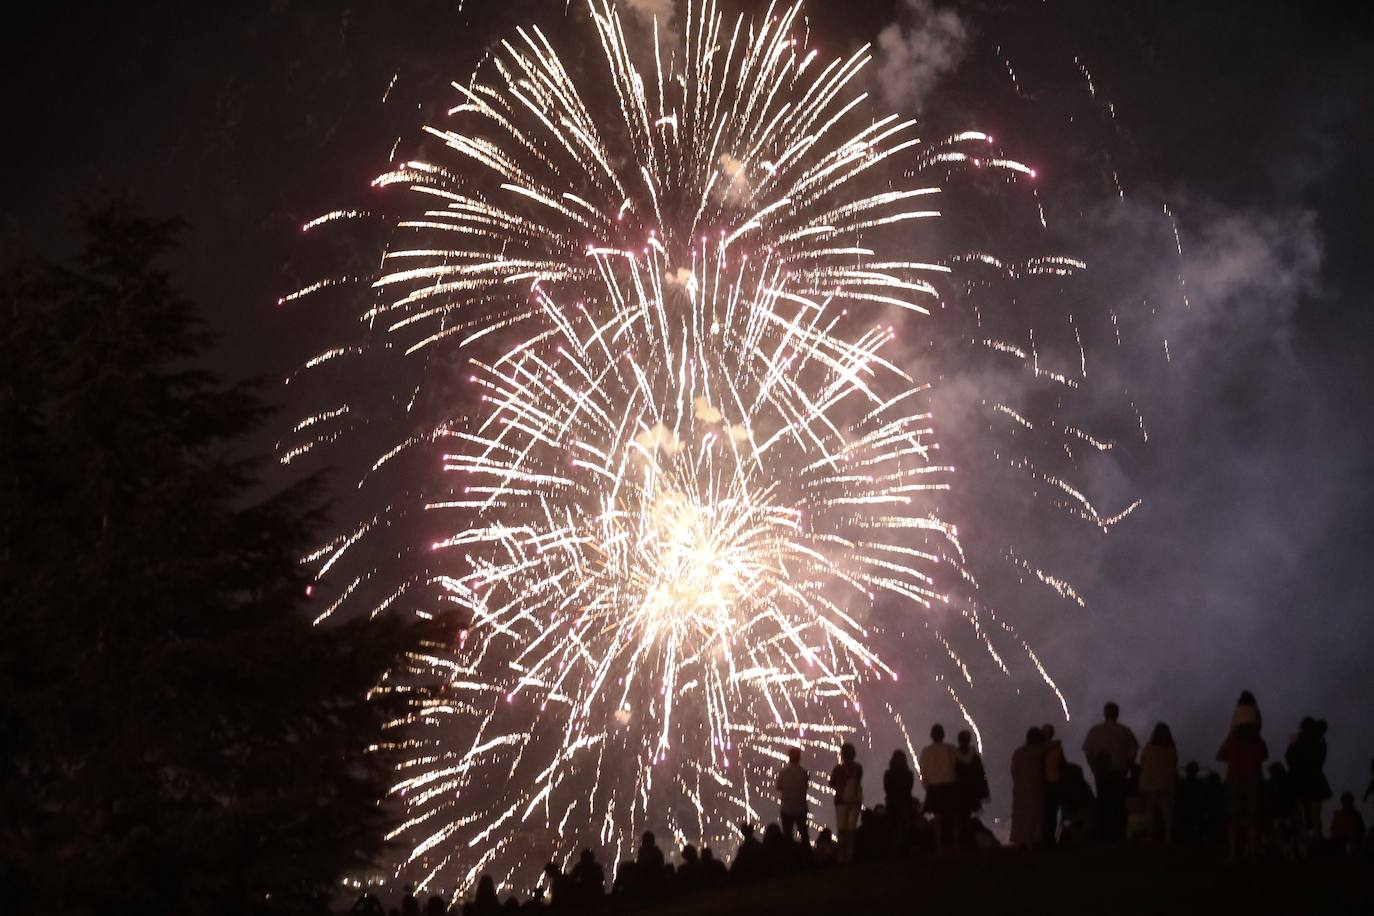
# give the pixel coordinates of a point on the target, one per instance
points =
(588, 879)
(1054, 774)
(1347, 826)
(1078, 806)
(791, 786)
(713, 870)
(898, 784)
(650, 865)
(1159, 783)
(1244, 753)
(1110, 748)
(1306, 757)
(561, 890)
(970, 778)
(484, 902)
(939, 770)
(1028, 791)
(847, 781)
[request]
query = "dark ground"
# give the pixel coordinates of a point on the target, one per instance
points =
(1090, 882)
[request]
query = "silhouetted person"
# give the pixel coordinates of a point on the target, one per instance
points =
(792, 805)
(970, 779)
(1278, 810)
(847, 779)
(1247, 712)
(1244, 753)
(627, 882)
(827, 853)
(1347, 826)
(1110, 748)
(410, 906)
(649, 864)
(561, 890)
(588, 879)
(484, 902)
(1077, 806)
(775, 849)
(1306, 758)
(750, 862)
(1190, 806)
(1028, 791)
(1054, 773)
(898, 784)
(436, 906)
(713, 870)
(938, 762)
(689, 877)
(1159, 783)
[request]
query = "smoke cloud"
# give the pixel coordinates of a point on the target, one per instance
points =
(650, 9)
(913, 55)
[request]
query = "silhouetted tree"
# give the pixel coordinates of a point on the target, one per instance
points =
(176, 735)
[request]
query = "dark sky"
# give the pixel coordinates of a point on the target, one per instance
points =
(1249, 566)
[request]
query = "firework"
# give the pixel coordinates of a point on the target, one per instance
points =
(684, 485)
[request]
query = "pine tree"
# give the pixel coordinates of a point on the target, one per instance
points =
(175, 736)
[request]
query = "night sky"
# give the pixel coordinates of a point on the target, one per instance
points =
(1248, 564)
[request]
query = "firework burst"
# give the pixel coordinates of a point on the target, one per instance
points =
(685, 491)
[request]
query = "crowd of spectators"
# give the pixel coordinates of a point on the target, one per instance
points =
(1137, 795)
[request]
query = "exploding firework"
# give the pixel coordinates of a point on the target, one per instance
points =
(687, 498)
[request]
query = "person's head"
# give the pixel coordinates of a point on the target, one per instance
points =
(1246, 699)
(772, 834)
(648, 838)
(825, 836)
(1047, 731)
(794, 755)
(1191, 770)
(898, 761)
(847, 752)
(1110, 712)
(965, 739)
(588, 856)
(1307, 725)
(689, 853)
(1161, 736)
(1034, 735)
(1347, 801)
(937, 733)
(707, 855)
(1320, 728)
(486, 887)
